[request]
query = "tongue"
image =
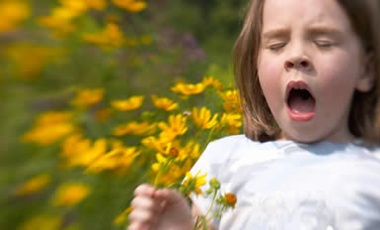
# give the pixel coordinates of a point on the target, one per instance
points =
(301, 105)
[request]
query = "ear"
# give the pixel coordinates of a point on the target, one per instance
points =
(366, 79)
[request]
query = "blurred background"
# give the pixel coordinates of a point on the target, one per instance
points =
(62, 54)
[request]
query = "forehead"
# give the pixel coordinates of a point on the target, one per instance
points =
(286, 13)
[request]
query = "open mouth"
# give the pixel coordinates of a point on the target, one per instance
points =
(300, 101)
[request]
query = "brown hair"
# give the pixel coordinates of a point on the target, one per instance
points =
(259, 123)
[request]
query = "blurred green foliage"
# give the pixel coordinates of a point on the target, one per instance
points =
(42, 68)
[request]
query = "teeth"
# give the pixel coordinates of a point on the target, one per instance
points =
(297, 88)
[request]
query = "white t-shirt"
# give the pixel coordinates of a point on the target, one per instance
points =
(291, 186)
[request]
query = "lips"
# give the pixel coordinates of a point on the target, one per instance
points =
(300, 101)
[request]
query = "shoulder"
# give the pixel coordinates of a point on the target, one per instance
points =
(230, 154)
(220, 153)
(233, 142)
(376, 153)
(229, 147)
(353, 159)
(361, 156)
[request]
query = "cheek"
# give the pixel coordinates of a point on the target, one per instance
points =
(269, 71)
(339, 75)
(337, 83)
(343, 64)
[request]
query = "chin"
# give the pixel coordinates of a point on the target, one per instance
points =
(302, 138)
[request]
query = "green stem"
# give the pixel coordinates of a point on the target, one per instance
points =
(200, 223)
(212, 203)
(196, 223)
(156, 179)
(160, 172)
(209, 136)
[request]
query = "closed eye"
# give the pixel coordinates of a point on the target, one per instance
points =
(276, 46)
(324, 44)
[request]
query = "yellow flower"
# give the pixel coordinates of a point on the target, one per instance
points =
(170, 149)
(42, 222)
(158, 144)
(134, 128)
(168, 135)
(70, 194)
(173, 149)
(111, 36)
(172, 152)
(62, 17)
(164, 103)
(211, 81)
(74, 145)
(188, 89)
(176, 125)
(192, 150)
(231, 101)
(33, 185)
(232, 122)
(52, 117)
(131, 103)
(96, 4)
(133, 6)
(77, 6)
(50, 127)
(12, 14)
(80, 152)
(169, 171)
(194, 183)
(117, 158)
(48, 134)
(29, 68)
(161, 161)
(202, 118)
(88, 97)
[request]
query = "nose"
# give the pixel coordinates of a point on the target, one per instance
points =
(298, 63)
(297, 56)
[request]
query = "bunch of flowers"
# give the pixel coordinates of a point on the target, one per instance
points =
(220, 203)
(159, 140)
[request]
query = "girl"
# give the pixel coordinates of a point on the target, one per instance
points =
(309, 75)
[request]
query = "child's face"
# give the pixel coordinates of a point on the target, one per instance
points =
(310, 63)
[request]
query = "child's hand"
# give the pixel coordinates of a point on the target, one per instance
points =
(159, 209)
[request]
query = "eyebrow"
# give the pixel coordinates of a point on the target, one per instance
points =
(275, 33)
(311, 31)
(324, 31)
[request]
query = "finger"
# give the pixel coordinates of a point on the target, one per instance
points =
(169, 196)
(147, 203)
(142, 216)
(139, 226)
(144, 190)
